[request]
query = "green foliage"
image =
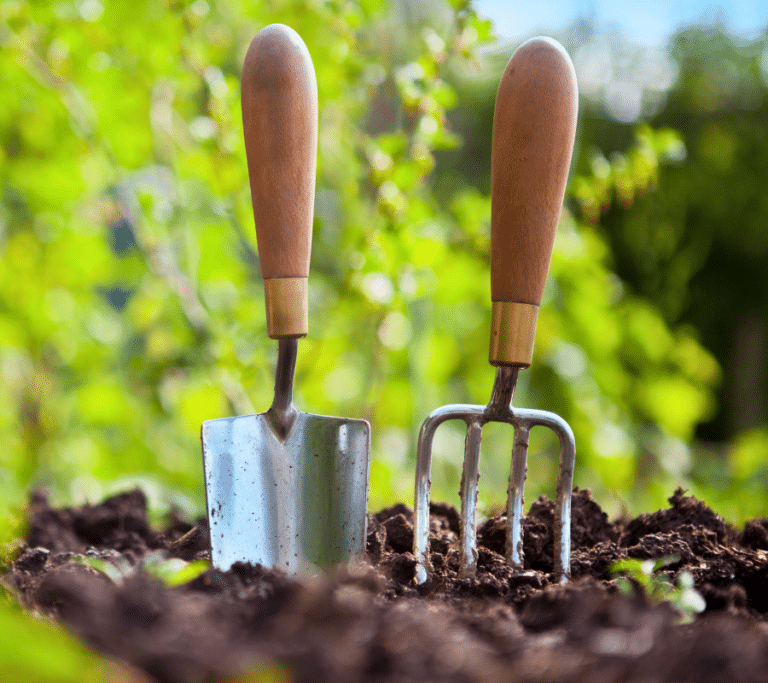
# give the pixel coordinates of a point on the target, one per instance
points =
(12, 529)
(696, 245)
(748, 458)
(116, 571)
(172, 571)
(657, 587)
(131, 310)
(734, 481)
(131, 306)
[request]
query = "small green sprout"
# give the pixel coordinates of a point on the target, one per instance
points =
(658, 588)
(117, 569)
(171, 571)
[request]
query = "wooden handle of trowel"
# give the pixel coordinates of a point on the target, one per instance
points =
(534, 126)
(279, 97)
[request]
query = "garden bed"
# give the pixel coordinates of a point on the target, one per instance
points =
(368, 622)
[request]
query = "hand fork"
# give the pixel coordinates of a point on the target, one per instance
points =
(533, 133)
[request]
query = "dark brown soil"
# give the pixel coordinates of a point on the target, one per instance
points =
(369, 622)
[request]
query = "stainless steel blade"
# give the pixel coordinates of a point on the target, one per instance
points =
(291, 504)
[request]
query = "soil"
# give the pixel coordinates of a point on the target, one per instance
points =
(369, 623)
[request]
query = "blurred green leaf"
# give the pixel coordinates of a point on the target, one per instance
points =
(32, 650)
(750, 453)
(174, 571)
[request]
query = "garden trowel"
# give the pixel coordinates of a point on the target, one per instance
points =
(284, 488)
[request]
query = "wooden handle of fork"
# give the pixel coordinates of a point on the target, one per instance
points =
(534, 126)
(279, 99)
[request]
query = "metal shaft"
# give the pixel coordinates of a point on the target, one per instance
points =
(504, 385)
(282, 414)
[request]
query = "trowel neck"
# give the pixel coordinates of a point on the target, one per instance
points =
(282, 412)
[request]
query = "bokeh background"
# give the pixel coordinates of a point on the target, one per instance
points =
(131, 303)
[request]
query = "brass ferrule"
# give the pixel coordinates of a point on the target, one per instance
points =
(287, 303)
(513, 332)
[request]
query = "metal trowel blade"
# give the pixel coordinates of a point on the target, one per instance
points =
(295, 504)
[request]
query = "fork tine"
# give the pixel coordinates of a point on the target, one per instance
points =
(515, 496)
(421, 500)
(469, 479)
(562, 522)
(563, 500)
(468, 414)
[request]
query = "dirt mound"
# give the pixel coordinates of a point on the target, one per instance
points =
(370, 622)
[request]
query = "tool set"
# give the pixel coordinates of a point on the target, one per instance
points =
(289, 489)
